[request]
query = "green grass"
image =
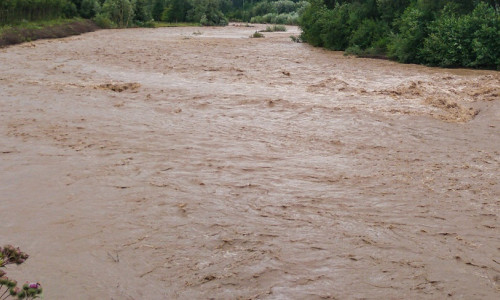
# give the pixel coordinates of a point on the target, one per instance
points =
(37, 24)
(30, 31)
(182, 24)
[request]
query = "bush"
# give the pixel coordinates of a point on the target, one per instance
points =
(441, 32)
(278, 12)
(486, 38)
(405, 45)
(335, 30)
(104, 22)
(70, 10)
(311, 24)
(296, 39)
(471, 40)
(257, 35)
(90, 8)
(370, 34)
(274, 28)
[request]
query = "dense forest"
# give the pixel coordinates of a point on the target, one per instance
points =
(434, 32)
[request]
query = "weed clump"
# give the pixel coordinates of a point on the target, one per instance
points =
(296, 39)
(257, 35)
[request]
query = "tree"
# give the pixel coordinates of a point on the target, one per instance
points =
(176, 11)
(405, 45)
(121, 12)
(207, 12)
(90, 8)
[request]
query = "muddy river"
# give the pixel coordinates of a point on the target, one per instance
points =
(199, 163)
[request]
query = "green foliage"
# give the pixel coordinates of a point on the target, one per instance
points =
(335, 29)
(207, 13)
(391, 9)
(312, 24)
(176, 11)
(284, 6)
(275, 28)
(273, 12)
(120, 12)
(370, 37)
(158, 9)
(142, 13)
(405, 45)
(471, 40)
(257, 35)
(436, 32)
(272, 18)
(126, 13)
(16, 11)
(90, 8)
(103, 21)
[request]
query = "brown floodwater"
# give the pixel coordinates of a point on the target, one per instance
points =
(198, 163)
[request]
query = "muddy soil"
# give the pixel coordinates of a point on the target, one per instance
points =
(201, 163)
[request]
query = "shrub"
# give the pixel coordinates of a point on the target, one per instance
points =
(257, 35)
(405, 45)
(335, 30)
(103, 21)
(486, 38)
(369, 33)
(275, 28)
(90, 8)
(471, 40)
(296, 39)
(311, 24)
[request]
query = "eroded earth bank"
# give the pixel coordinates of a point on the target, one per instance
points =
(200, 163)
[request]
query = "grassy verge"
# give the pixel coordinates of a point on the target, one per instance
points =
(164, 24)
(30, 31)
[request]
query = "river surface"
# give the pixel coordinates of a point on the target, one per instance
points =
(198, 163)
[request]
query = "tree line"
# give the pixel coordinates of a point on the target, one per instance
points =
(116, 13)
(446, 33)
(14, 11)
(125, 13)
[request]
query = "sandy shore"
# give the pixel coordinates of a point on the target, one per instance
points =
(165, 163)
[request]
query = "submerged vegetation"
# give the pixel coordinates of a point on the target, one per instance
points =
(463, 33)
(275, 28)
(257, 35)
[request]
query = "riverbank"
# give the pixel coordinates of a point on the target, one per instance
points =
(11, 35)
